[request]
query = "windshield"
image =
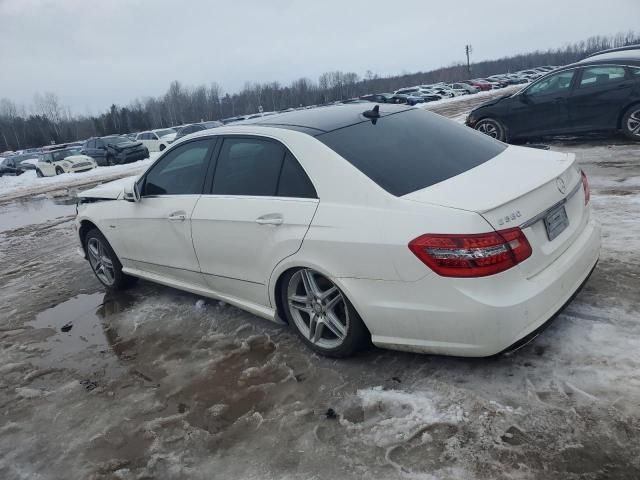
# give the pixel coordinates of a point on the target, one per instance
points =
(166, 131)
(116, 140)
(62, 154)
(408, 151)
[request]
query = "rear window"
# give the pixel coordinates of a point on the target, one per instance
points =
(411, 150)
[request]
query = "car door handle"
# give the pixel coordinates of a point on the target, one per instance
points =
(179, 216)
(270, 219)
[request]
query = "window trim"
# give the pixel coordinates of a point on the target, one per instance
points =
(208, 160)
(208, 190)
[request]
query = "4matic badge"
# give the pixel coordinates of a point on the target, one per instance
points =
(509, 218)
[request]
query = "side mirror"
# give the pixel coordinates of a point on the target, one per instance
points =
(132, 193)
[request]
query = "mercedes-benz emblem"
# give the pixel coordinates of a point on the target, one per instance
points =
(561, 185)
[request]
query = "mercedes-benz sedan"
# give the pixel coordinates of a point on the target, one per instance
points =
(352, 223)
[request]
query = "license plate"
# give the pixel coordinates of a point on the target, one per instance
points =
(556, 221)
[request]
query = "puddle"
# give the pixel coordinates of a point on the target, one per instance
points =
(81, 338)
(34, 210)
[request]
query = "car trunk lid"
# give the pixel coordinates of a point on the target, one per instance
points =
(521, 187)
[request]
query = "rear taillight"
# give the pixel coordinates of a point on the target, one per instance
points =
(475, 255)
(585, 187)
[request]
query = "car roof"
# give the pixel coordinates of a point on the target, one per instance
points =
(316, 121)
(631, 52)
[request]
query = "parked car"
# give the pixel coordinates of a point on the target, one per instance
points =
(599, 93)
(327, 220)
(465, 86)
(188, 129)
(10, 166)
(153, 139)
(482, 86)
(26, 161)
(63, 160)
(378, 97)
(114, 149)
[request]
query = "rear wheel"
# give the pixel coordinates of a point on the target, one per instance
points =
(162, 147)
(493, 128)
(321, 314)
(39, 173)
(104, 262)
(109, 159)
(59, 171)
(631, 123)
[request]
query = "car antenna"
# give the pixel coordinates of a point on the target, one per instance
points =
(373, 114)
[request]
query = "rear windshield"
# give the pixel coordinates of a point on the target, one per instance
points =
(411, 150)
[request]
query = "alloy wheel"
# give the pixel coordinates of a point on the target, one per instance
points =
(491, 128)
(318, 309)
(101, 261)
(633, 122)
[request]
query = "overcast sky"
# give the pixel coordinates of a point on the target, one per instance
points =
(95, 53)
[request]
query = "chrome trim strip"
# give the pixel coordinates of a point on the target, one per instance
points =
(543, 214)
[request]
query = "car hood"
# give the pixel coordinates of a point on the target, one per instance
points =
(168, 136)
(73, 159)
(109, 191)
(493, 102)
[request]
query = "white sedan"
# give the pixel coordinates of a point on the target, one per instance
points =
(392, 225)
(156, 140)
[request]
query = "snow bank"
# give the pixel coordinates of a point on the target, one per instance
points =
(29, 182)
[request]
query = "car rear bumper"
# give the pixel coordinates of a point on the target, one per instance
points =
(472, 317)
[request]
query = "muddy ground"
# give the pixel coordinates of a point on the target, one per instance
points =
(155, 383)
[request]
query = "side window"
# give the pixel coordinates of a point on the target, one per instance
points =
(99, 144)
(558, 83)
(248, 166)
(180, 172)
(635, 71)
(294, 182)
(596, 76)
(152, 136)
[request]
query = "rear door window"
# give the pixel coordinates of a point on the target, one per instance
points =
(598, 76)
(411, 150)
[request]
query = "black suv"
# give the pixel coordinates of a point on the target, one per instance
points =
(10, 166)
(599, 93)
(114, 149)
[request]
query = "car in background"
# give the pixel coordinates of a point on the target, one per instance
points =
(377, 97)
(361, 239)
(26, 161)
(481, 85)
(114, 150)
(599, 93)
(63, 160)
(470, 89)
(197, 127)
(131, 136)
(153, 139)
(10, 166)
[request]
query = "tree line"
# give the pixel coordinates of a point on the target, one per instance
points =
(47, 120)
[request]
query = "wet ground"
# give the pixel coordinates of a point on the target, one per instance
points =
(156, 383)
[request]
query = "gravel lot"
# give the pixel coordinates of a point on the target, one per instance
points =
(155, 383)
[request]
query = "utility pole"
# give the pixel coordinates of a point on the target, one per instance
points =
(468, 49)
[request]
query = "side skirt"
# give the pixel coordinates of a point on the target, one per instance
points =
(259, 310)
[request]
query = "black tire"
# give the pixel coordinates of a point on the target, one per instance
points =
(39, 173)
(120, 281)
(357, 336)
(109, 160)
(493, 128)
(162, 147)
(59, 171)
(631, 123)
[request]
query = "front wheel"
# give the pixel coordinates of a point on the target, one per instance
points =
(59, 171)
(105, 263)
(493, 128)
(631, 123)
(321, 314)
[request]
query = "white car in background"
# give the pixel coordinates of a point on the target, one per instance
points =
(64, 160)
(394, 225)
(156, 140)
